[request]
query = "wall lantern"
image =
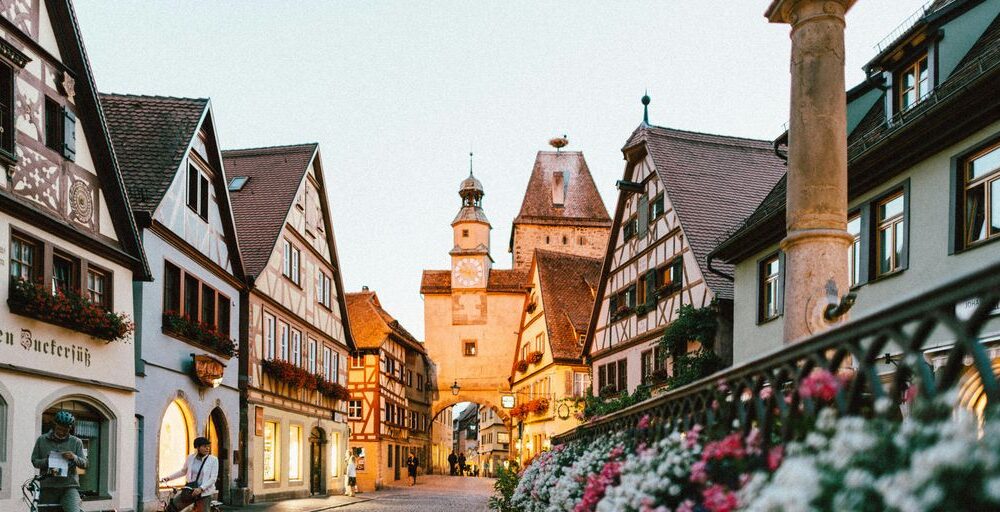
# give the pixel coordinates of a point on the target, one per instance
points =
(455, 389)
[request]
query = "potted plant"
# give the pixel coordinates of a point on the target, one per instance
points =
(522, 366)
(199, 332)
(539, 405)
(535, 357)
(67, 309)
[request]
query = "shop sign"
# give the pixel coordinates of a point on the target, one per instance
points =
(208, 370)
(503, 437)
(965, 310)
(507, 401)
(258, 420)
(56, 350)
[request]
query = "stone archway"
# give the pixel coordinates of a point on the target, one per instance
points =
(441, 404)
(493, 439)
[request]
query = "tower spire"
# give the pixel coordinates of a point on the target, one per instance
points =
(470, 164)
(645, 108)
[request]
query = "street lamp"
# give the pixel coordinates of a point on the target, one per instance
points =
(455, 389)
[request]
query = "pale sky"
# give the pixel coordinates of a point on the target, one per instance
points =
(397, 93)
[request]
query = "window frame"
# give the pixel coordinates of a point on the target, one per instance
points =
(291, 264)
(354, 413)
(8, 126)
(889, 224)
(465, 348)
(199, 184)
(105, 295)
(185, 279)
(358, 361)
(37, 255)
(960, 186)
(656, 207)
(913, 64)
(779, 279)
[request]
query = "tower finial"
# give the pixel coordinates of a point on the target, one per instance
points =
(470, 163)
(645, 108)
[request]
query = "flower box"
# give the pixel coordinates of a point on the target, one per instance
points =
(203, 334)
(539, 405)
(299, 378)
(522, 366)
(69, 310)
(622, 311)
(530, 308)
(534, 357)
(666, 290)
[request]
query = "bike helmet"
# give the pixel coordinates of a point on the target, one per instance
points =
(65, 418)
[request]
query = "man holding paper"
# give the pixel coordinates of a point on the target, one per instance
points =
(58, 454)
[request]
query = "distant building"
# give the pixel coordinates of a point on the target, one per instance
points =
(466, 435)
(389, 409)
(442, 441)
(493, 442)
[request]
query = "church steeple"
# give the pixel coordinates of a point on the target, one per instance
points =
(470, 256)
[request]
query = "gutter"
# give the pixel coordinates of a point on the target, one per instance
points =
(708, 260)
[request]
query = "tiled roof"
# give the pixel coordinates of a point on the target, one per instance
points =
(582, 204)
(262, 205)
(500, 280)
(568, 285)
(713, 182)
(151, 134)
(371, 325)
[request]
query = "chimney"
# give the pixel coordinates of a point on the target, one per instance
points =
(364, 288)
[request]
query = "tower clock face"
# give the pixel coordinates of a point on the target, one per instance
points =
(468, 272)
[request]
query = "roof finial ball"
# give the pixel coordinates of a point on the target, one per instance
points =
(645, 108)
(559, 142)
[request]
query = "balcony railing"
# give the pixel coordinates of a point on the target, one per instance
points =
(764, 393)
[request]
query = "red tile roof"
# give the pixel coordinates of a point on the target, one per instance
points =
(372, 326)
(500, 280)
(151, 135)
(713, 182)
(568, 285)
(262, 205)
(582, 204)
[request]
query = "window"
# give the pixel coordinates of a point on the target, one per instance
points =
(630, 227)
(465, 233)
(268, 336)
(540, 343)
(770, 288)
(651, 360)
(236, 184)
(581, 381)
(191, 296)
(175, 440)
(224, 310)
(296, 347)
(656, 208)
(469, 347)
(524, 351)
(200, 303)
(295, 452)
(890, 237)
(311, 358)
(565, 240)
(640, 290)
(670, 278)
(323, 286)
(7, 109)
(23, 255)
(65, 270)
(357, 361)
(582, 240)
(390, 366)
(913, 83)
(327, 363)
(613, 377)
(409, 378)
(283, 346)
(271, 451)
(96, 286)
(60, 129)
(290, 263)
(197, 191)
(981, 176)
(354, 409)
(207, 305)
(854, 251)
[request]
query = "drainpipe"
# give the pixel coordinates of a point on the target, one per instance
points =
(817, 242)
(243, 484)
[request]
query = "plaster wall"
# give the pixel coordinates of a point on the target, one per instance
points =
(581, 241)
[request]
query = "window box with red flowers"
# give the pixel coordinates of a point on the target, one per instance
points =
(67, 309)
(539, 405)
(522, 365)
(199, 333)
(298, 378)
(534, 357)
(621, 312)
(530, 308)
(519, 411)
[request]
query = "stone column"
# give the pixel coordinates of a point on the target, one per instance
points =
(817, 242)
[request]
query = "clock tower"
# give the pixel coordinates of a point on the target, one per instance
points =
(470, 257)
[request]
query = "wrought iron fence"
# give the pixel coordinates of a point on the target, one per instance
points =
(765, 393)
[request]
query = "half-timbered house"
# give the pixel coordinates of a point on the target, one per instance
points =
(389, 411)
(187, 319)
(298, 337)
(679, 193)
(72, 251)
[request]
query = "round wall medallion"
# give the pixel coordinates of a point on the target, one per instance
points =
(81, 201)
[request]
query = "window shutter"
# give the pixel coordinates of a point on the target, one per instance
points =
(613, 304)
(867, 243)
(203, 208)
(677, 273)
(643, 215)
(69, 134)
(568, 375)
(781, 282)
(650, 288)
(904, 257)
(192, 186)
(623, 375)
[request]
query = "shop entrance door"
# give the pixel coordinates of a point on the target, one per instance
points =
(317, 442)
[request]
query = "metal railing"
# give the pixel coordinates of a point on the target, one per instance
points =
(764, 393)
(901, 29)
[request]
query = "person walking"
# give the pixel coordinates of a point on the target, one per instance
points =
(452, 462)
(201, 469)
(411, 468)
(352, 474)
(61, 485)
(461, 463)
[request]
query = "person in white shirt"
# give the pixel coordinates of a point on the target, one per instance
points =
(201, 469)
(352, 473)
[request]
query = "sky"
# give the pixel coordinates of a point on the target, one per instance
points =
(397, 93)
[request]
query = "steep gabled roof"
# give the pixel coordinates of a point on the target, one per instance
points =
(582, 205)
(372, 326)
(500, 280)
(713, 183)
(151, 135)
(568, 286)
(262, 205)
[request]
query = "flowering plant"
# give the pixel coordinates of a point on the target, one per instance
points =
(200, 332)
(534, 357)
(299, 378)
(67, 309)
(538, 405)
(658, 475)
(522, 366)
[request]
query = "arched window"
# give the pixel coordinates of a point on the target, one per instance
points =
(971, 394)
(175, 440)
(92, 428)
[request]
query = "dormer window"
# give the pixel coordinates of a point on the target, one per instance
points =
(558, 188)
(913, 83)
(237, 183)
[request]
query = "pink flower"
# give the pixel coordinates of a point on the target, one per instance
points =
(698, 473)
(774, 457)
(599, 483)
(691, 439)
(766, 393)
(911, 394)
(821, 385)
(687, 506)
(729, 446)
(718, 499)
(753, 441)
(644, 422)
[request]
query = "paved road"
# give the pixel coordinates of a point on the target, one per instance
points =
(432, 493)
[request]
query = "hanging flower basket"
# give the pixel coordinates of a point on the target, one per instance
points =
(299, 378)
(201, 333)
(519, 411)
(535, 357)
(67, 309)
(522, 366)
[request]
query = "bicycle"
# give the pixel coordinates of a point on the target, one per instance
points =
(31, 490)
(167, 502)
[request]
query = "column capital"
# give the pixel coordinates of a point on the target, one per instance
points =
(790, 11)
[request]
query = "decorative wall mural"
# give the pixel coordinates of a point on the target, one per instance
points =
(81, 201)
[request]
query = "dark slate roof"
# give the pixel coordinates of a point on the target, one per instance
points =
(500, 280)
(262, 205)
(371, 325)
(151, 135)
(582, 204)
(713, 183)
(568, 286)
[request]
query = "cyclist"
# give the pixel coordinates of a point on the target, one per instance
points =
(201, 469)
(63, 490)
